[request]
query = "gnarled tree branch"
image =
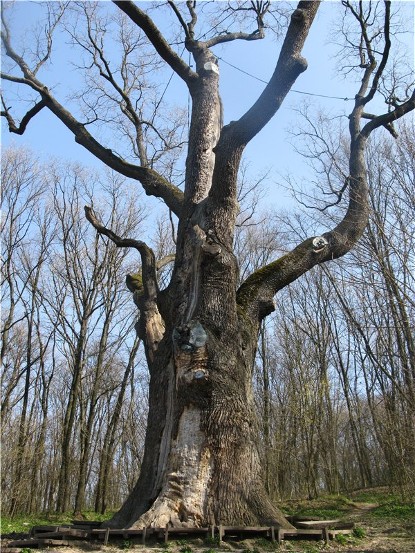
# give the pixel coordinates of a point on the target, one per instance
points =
(235, 136)
(25, 119)
(289, 66)
(256, 293)
(151, 325)
(148, 260)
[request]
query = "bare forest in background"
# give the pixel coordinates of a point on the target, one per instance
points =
(335, 368)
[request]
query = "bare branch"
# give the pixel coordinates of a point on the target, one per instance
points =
(255, 295)
(153, 183)
(25, 120)
(18, 80)
(388, 126)
(103, 66)
(237, 134)
(260, 9)
(191, 4)
(179, 17)
(228, 37)
(118, 241)
(387, 119)
(145, 23)
(49, 35)
(10, 52)
(385, 55)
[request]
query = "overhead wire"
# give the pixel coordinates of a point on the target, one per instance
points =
(345, 99)
(292, 89)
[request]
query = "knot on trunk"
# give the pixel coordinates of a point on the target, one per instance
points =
(189, 337)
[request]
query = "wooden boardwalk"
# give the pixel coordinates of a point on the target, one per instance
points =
(64, 535)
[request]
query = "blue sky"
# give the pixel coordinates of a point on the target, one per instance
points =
(269, 150)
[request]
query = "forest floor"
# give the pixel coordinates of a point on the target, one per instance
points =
(383, 524)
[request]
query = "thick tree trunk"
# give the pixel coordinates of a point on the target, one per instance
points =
(202, 464)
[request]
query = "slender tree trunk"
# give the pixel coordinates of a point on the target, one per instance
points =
(109, 442)
(62, 503)
(86, 434)
(266, 407)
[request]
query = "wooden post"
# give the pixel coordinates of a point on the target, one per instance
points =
(220, 532)
(280, 535)
(144, 535)
(166, 534)
(107, 533)
(326, 535)
(272, 534)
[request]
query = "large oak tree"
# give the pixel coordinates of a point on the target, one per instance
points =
(201, 462)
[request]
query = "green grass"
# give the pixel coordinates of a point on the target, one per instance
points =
(341, 539)
(394, 510)
(375, 495)
(24, 523)
(358, 532)
(325, 507)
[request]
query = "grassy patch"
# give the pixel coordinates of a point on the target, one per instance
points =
(359, 533)
(398, 511)
(23, 523)
(374, 495)
(326, 507)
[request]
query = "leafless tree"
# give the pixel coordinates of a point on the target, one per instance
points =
(200, 333)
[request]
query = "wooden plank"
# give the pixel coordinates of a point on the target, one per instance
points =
(93, 523)
(41, 529)
(38, 542)
(334, 533)
(185, 530)
(50, 542)
(23, 543)
(316, 524)
(247, 529)
(64, 532)
(300, 518)
(75, 533)
(299, 532)
(123, 532)
(319, 524)
(241, 531)
(343, 526)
